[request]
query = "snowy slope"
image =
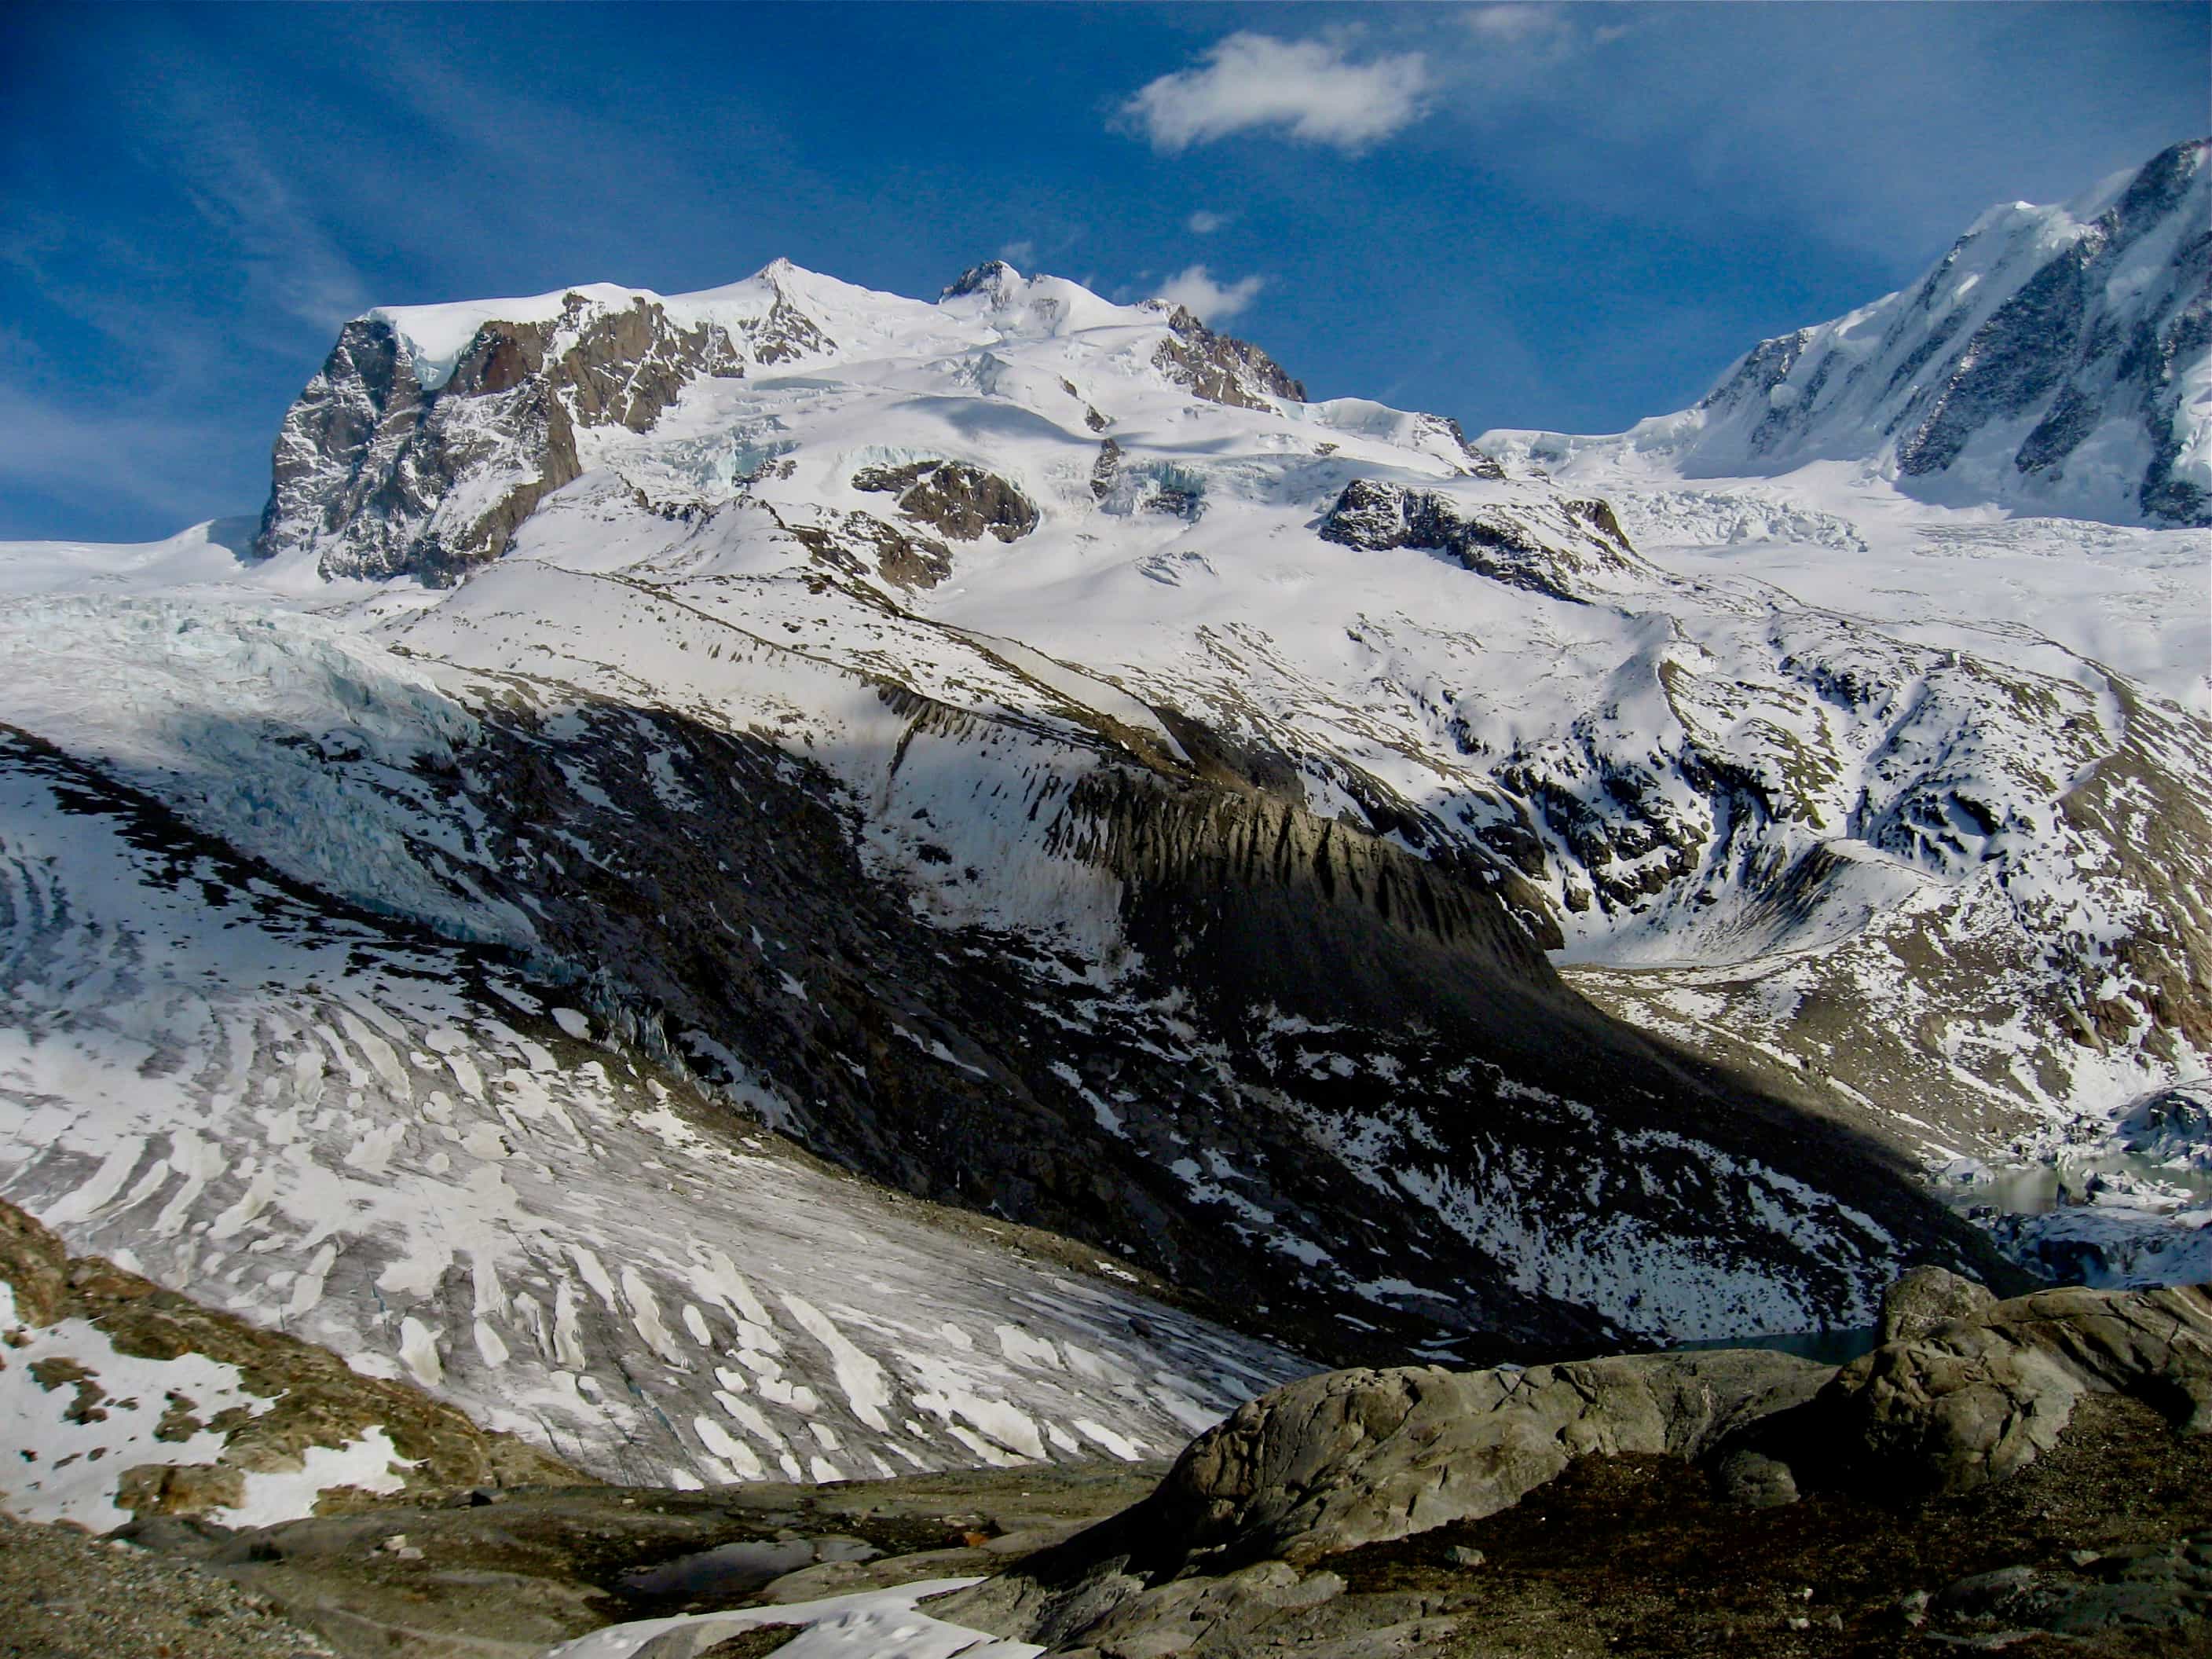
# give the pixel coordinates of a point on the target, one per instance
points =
(1903, 467)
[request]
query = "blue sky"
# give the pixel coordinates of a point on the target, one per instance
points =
(1565, 216)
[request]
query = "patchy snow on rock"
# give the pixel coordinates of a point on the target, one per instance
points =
(77, 1416)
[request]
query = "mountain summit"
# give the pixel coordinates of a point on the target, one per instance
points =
(432, 431)
(2054, 360)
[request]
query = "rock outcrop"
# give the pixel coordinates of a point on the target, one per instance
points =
(1221, 369)
(1927, 1297)
(1563, 550)
(1331, 1462)
(387, 466)
(1337, 1462)
(957, 500)
(1954, 1403)
(864, 544)
(1331, 1465)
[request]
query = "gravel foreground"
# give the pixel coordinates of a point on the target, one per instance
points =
(64, 1594)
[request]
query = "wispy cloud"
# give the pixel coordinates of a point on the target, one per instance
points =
(1516, 23)
(1204, 223)
(288, 258)
(1214, 302)
(144, 451)
(1503, 46)
(1022, 253)
(1309, 90)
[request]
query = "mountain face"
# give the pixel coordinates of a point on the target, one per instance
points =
(432, 432)
(2054, 360)
(708, 816)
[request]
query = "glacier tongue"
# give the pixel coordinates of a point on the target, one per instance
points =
(401, 1149)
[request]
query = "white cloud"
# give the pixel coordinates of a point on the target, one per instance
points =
(1208, 299)
(1514, 23)
(1308, 88)
(1202, 223)
(1022, 253)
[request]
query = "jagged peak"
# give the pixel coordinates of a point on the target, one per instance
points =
(993, 276)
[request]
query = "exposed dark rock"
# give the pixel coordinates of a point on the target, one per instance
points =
(368, 462)
(991, 274)
(1106, 470)
(1480, 464)
(1221, 369)
(2185, 340)
(863, 543)
(785, 335)
(1553, 550)
(963, 502)
(2013, 361)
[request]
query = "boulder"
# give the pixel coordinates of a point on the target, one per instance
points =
(1977, 1396)
(1754, 1480)
(1331, 1462)
(1926, 1298)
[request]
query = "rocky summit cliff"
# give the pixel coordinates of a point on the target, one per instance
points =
(794, 881)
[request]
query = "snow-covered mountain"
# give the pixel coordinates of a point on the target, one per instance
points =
(1021, 750)
(2054, 360)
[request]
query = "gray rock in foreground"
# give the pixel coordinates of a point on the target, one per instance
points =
(1976, 1398)
(1927, 1297)
(1329, 1463)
